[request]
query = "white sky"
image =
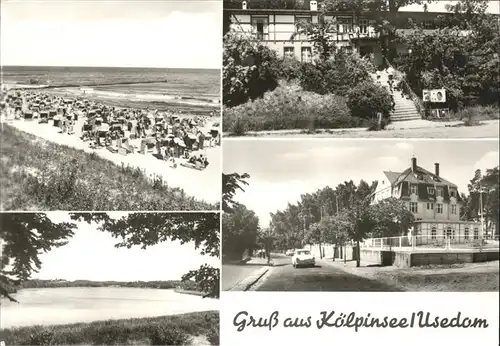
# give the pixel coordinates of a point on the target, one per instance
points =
(124, 33)
(439, 6)
(281, 170)
(91, 255)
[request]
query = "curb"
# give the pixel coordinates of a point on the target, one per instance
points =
(248, 282)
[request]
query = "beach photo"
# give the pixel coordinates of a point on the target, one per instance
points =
(109, 278)
(361, 69)
(351, 215)
(110, 105)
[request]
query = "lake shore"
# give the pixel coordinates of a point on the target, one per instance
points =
(197, 328)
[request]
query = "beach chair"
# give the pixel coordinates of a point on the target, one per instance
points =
(44, 118)
(148, 146)
(28, 115)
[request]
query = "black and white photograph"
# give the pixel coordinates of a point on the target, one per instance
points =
(361, 69)
(109, 278)
(110, 105)
(351, 215)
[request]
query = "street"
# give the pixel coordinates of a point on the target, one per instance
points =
(324, 276)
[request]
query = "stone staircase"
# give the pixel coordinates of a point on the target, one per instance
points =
(404, 109)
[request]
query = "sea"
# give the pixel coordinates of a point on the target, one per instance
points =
(46, 306)
(160, 88)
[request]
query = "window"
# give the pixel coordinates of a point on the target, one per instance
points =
(453, 209)
(365, 50)
(433, 233)
(259, 25)
(428, 24)
(453, 193)
(306, 54)
(414, 207)
(344, 25)
(302, 20)
(431, 191)
(448, 233)
(413, 189)
(363, 26)
(439, 192)
(439, 208)
(430, 206)
(466, 233)
(289, 52)
(476, 233)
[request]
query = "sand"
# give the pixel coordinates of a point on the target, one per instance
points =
(204, 185)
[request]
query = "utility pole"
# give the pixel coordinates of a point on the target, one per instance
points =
(481, 208)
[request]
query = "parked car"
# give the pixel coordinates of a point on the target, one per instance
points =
(303, 258)
(289, 252)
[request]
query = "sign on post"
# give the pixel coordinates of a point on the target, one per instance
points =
(434, 95)
(438, 95)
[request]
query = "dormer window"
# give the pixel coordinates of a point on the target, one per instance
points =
(439, 192)
(413, 189)
(431, 191)
(453, 193)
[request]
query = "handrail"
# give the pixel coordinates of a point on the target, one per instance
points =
(419, 104)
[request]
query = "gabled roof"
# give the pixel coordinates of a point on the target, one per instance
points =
(421, 176)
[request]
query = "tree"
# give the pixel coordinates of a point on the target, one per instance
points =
(249, 69)
(231, 183)
(239, 232)
(392, 218)
(24, 237)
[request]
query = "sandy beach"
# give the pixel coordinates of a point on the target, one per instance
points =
(204, 185)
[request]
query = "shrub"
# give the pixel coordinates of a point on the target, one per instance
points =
(43, 337)
(249, 69)
(290, 108)
(213, 336)
(337, 75)
(367, 99)
(290, 69)
(168, 334)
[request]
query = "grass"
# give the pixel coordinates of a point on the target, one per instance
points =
(36, 174)
(183, 329)
(472, 116)
(290, 108)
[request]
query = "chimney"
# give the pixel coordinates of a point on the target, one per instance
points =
(313, 6)
(436, 165)
(414, 164)
(244, 5)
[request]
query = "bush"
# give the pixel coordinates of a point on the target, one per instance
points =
(335, 76)
(290, 69)
(290, 108)
(367, 99)
(162, 334)
(43, 337)
(213, 336)
(249, 69)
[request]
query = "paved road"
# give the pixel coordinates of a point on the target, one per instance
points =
(323, 277)
(488, 129)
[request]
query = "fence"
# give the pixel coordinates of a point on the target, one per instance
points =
(433, 242)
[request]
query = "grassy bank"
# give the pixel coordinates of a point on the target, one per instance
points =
(473, 116)
(197, 328)
(289, 108)
(36, 174)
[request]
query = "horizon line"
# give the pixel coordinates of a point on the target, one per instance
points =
(178, 68)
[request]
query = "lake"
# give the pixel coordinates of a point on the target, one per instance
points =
(70, 305)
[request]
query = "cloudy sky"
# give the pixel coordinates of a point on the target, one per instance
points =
(282, 170)
(439, 6)
(126, 33)
(91, 255)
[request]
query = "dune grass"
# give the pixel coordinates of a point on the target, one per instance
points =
(36, 174)
(183, 329)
